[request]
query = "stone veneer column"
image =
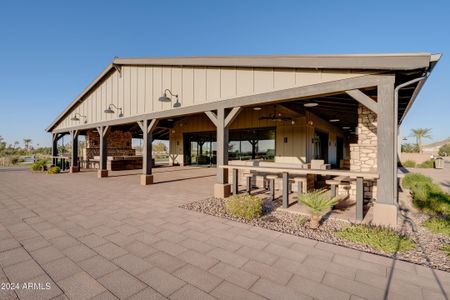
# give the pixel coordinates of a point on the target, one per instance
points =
(363, 155)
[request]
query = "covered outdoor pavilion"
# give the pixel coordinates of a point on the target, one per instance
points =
(297, 96)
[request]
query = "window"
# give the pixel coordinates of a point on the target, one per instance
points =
(252, 144)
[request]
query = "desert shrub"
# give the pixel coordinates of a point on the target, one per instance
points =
(14, 160)
(39, 165)
(9, 160)
(426, 164)
(379, 238)
(300, 221)
(438, 225)
(428, 196)
(410, 148)
(409, 164)
(411, 179)
(244, 206)
(317, 201)
(445, 150)
(54, 170)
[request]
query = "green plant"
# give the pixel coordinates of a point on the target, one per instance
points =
(427, 195)
(39, 165)
(426, 164)
(444, 150)
(410, 148)
(409, 164)
(446, 249)
(318, 203)
(54, 170)
(438, 225)
(300, 221)
(379, 238)
(244, 206)
(420, 134)
(411, 179)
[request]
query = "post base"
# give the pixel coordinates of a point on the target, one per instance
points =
(74, 169)
(146, 179)
(102, 173)
(222, 190)
(385, 215)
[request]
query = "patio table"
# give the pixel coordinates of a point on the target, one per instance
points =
(285, 171)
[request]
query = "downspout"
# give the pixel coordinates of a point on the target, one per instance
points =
(396, 90)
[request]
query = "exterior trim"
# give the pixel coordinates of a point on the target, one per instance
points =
(399, 61)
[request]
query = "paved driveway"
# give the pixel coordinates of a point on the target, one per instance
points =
(80, 237)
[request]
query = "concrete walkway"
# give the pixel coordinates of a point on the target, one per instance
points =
(86, 238)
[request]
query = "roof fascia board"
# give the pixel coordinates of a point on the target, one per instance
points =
(433, 61)
(360, 62)
(80, 96)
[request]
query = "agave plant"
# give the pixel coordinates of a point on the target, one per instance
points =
(318, 203)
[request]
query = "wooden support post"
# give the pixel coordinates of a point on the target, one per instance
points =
(147, 127)
(147, 157)
(55, 138)
(300, 187)
(103, 166)
(359, 198)
(333, 190)
(249, 184)
(74, 167)
(222, 188)
(272, 189)
(385, 210)
(235, 185)
(285, 177)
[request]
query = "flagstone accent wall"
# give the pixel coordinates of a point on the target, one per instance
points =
(119, 144)
(363, 154)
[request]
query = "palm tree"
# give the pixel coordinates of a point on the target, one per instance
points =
(16, 143)
(26, 143)
(419, 134)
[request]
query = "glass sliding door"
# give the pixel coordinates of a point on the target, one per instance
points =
(200, 148)
(247, 144)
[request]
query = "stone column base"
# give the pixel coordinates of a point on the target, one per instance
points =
(222, 190)
(102, 173)
(74, 169)
(146, 179)
(385, 215)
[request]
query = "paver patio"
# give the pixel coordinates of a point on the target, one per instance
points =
(113, 238)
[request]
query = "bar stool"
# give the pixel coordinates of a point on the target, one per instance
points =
(271, 179)
(248, 180)
(299, 181)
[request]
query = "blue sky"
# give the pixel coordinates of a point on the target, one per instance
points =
(51, 50)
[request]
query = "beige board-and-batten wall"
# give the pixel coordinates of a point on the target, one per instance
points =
(136, 89)
(293, 142)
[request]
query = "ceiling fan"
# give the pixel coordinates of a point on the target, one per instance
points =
(277, 117)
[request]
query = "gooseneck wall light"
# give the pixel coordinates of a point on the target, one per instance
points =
(164, 98)
(110, 110)
(77, 116)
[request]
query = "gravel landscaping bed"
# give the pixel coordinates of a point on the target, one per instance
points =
(426, 252)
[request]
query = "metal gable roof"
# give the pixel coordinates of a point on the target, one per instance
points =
(387, 62)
